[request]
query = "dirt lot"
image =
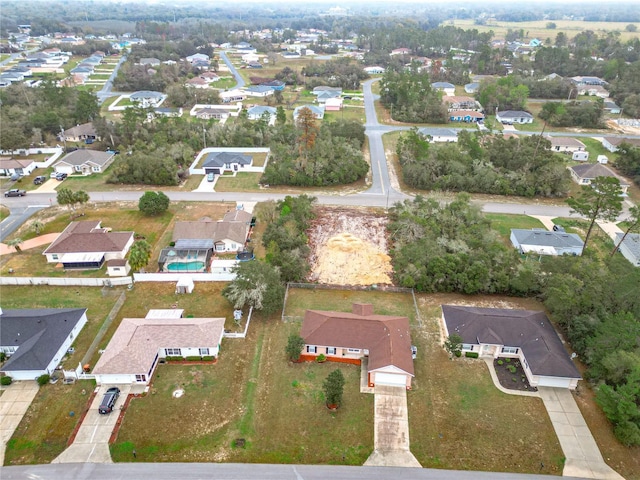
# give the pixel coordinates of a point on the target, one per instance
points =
(349, 247)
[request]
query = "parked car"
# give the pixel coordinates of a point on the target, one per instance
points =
(15, 177)
(211, 177)
(15, 193)
(39, 180)
(414, 351)
(558, 228)
(109, 400)
(61, 176)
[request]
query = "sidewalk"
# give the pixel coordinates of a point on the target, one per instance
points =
(27, 244)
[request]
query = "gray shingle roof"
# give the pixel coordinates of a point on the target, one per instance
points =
(220, 159)
(82, 156)
(38, 334)
(528, 330)
(593, 170)
(546, 238)
(632, 242)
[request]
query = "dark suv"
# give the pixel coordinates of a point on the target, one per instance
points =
(39, 180)
(109, 400)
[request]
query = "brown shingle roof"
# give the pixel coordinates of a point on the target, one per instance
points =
(528, 330)
(87, 236)
(387, 338)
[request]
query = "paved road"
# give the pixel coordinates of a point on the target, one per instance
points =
(19, 215)
(230, 471)
(240, 81)
(105, 92)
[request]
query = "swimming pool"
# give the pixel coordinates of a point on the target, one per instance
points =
(194, 266)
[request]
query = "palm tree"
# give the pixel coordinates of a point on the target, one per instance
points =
(16, 242)
(37, 226)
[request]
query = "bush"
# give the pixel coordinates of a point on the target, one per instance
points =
(173, 359)
(194, 358)
(208, 358)
(458, 353)
(3, 356)
(500, 362)
(511, 368)
(43, 379)
(471, 354)
(6, 380)
(321, 358)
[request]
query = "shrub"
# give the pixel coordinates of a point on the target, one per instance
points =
(194, 358)
(6, 380)
(507, 360)
(294, 347)
(208, 358)
(471, 354)
(321, 358)
(458, 354)
(500, 362)
(173, 359)
(511, 368)
(43, 379)
(295, 384)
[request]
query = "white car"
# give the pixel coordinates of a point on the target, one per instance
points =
(414, 351)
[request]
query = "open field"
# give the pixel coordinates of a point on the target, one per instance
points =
(538, 29)
(504, 223)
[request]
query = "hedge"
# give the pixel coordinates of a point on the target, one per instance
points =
(471, 354)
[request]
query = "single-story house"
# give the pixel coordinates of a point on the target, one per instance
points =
(461, 102)
(147, 98)
(580, 80)
(86, 245)
(566, 144)
(611, 107)
(227, 235)
(10, 166)
(274, 84)
(198, 57)
(197, 82)
(322, 97)
(544, 242)
(593, 90)
(374, 70)
(630, 247)
(514, 116)
(472, 87)
(220, 162)
(84, 161)
(466, 116)
(139, 344)
(210, 77)
(168, 112)
(235, 95)
(258, 91)
(36, 340)
(439, 134)
(250, 57)
(446, 87)
(523, 334)
(81, 133)
(584, 174)
(258, 111)
(383, 341)
(400, 51)
(151, 62)
(333, 104)
(317, 111)
(612, 143)
(213, 114)
(324, 88)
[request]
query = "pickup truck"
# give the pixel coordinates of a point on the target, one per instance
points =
(15, 193)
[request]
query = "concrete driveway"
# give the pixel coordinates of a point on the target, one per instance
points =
(49, 186)
(14, 402)
(583, 457)
(91, 444)
(391, 429)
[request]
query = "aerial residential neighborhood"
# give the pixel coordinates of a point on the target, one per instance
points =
(296, 240)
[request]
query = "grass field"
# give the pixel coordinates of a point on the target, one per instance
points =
(538, 29)
(503, 223)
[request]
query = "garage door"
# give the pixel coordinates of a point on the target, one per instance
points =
(390, 379)
(554, 382)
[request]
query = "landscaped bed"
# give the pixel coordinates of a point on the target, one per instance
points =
(511, 374)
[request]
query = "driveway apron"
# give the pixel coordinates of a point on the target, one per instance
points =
(583, 458)
(391, 429)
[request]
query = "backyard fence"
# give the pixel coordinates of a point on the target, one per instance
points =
(174, 277)
(246, 328)
(66, 281)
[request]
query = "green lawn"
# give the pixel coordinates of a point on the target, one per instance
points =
(503, 223)
(242, 182)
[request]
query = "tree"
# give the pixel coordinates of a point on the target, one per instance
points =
(631, 28)
(453, 344)
(258, 285)
(281, 115)
(633, 224)
(16, 242)
(333, 387)
(37, 226)
(599, 201)
(295, 344)
(153, 203)
(68, 197)
(139, 254)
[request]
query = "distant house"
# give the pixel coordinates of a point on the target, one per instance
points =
(220, 162)
(84, 161)
(611, 107)
(36, 340)
(586, 173)
(324, 88)
(439, 134)
(257, 112)
(212, 113)
(139, 344)
(525, 335)
(467, 116)
(544, 242)
(81, 133)
(258, 91)
(593, 90)
(630, 247)
(566, 144)
(612, 143)
(168, 112)
(209, 77)
(147, 98)
(446, 87)
(198, 57)
(317, 111)
(197, 82)
(274, 84)
(510, 117)
(382, 341)
(227, 235)
(235, 95)
(333, 104)
(472, 87)
(458, 102)
(400, 51)
(86, 245)
(374, 70)
(250, 57)
(580, 81)
(322, 97)
(11, 166)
